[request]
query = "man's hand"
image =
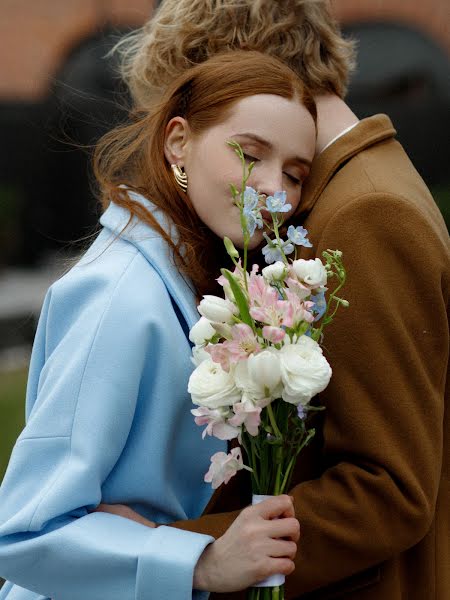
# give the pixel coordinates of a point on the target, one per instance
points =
(124, 511)
(261, 541)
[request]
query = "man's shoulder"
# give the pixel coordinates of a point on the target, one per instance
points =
(382, 174)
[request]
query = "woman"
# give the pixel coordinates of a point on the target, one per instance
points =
(108, 414)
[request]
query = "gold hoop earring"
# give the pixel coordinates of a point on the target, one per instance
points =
(180, 177)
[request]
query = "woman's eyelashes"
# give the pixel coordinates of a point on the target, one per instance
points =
(295, 180)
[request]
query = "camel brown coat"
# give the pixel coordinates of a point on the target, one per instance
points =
(372, 491)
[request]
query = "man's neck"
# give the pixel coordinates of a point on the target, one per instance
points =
(333, 116)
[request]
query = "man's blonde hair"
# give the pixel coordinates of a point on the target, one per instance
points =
(302, 33)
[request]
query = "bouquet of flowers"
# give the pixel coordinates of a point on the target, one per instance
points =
(257, 353)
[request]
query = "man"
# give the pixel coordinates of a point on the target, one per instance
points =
(372, 491)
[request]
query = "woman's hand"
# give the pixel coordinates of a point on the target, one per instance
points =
(124, 511)
(262, 541)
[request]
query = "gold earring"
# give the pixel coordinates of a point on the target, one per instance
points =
(180, 176)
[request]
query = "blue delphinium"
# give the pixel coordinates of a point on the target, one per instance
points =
(277, 203)
(251, 199)
(297, 235)
(273, 251)
(320, 305)
(251, 210)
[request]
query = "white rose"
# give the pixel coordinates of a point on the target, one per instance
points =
(304, 371)
(260, 375)
(310, 272)
(201, 331)
(275, 272)
(211, 386)
(217, 309)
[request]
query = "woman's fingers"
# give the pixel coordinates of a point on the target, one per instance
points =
(282, 549)
(288, 528)
(276, 507)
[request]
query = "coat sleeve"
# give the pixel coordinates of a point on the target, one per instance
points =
(382, 447)
(92, 340)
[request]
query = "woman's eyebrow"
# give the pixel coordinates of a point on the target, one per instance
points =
(269, 146)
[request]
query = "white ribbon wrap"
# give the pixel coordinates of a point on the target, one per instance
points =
(278, 578)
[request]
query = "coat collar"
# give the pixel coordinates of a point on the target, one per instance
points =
(155, 249)
(367, 132)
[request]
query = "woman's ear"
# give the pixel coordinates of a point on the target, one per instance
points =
(177, 132)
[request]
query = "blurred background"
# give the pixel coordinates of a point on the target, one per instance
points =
(59, 92)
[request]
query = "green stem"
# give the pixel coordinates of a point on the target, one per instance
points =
(273, 422)
(332, 295)
(277, 235)
(287, 474)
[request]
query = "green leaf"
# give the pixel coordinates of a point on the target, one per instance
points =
(239, 297)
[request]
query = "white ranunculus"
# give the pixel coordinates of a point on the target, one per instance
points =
(217, 309)
(275, 272)
(310, 272)
(260, 375)
(211, 386)
(201, 331)
(304, 371)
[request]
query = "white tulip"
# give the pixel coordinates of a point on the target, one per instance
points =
(217, 309)
(260, 375)
(275, 272)
(211, 386)
(304, 371)
(310, 272)
(199, 354)
(201, 332)
(264, 368)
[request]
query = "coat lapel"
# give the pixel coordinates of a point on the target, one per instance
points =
(366, 133)
(156, 251)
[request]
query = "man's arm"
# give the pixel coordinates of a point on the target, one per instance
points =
(382, 438)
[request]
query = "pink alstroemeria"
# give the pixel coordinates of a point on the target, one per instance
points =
(260, 292)
(216, 422)
(265, 305)
(246, 413)
(301, 308)
(243, 343)
(224, 467)
(239, 276)
(274, 312)
(220, 355)
(273, 334)
(298, 288)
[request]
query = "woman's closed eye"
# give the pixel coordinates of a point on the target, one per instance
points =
(295, 180)
(250, 158)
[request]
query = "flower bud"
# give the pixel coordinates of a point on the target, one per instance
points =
(201, 331)
(275, 272)
(217, 309)
(230, 248)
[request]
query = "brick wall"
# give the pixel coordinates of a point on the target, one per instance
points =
(432, 17)
(35, 35)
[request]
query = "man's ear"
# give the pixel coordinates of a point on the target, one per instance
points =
(177, 133)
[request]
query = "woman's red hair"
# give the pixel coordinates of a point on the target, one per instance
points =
(133, 154)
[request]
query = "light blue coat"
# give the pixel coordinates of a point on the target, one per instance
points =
(108, 419)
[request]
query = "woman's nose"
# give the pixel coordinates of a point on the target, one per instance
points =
(269, 182)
